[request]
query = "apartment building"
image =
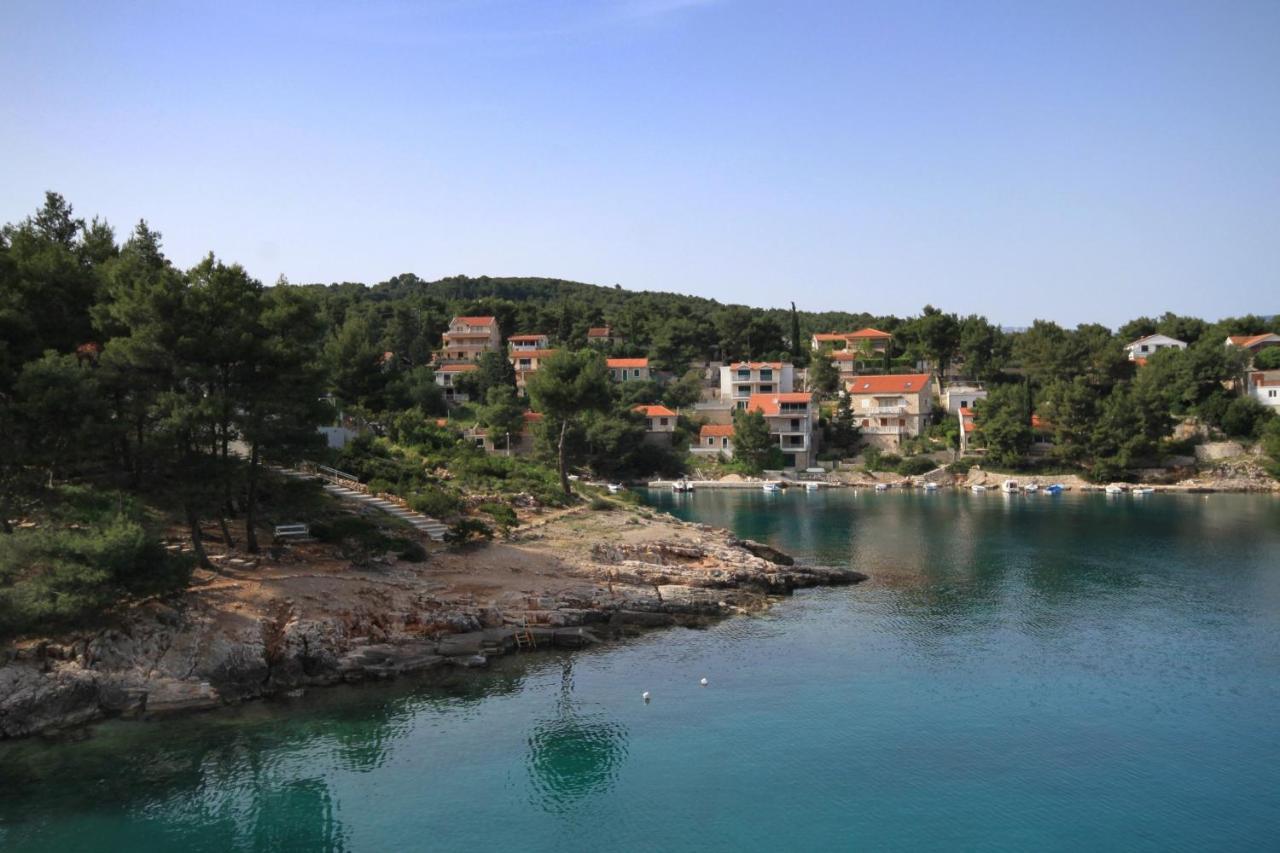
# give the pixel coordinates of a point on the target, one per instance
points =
(468, 338)
(891, 408)
(792, 419)
(742, 380)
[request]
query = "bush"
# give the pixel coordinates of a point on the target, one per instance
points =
(411, 551)
(465, 530)
(599, 504)
(915, 466)
(434, 502)
(960, 466)
(502, 513)
(379, 486)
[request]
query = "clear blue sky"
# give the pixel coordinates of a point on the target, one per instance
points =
(1075, 161)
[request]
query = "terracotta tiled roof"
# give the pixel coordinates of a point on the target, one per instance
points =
(771, 404)
(527, 338)
(655, 411)
(1267, 377)
(755, 365)
(628, 362)
(531, 353)
(457, 368)
(598, 332)
(965, 411)
(1039, 423)
(716, 431)
(869, 333)
(1250, 341)
(475, 321)
(893, 383)
(532, 417)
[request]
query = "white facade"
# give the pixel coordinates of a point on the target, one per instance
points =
(957, 397)
(740, 380)
(1151, 344)
(1264, 386)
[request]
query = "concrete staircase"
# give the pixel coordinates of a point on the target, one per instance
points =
(347, 488)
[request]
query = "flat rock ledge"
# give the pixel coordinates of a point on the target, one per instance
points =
(179, 656)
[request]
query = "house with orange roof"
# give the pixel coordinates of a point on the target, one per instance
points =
(965, 414)
(740, 380)
(659, 423)
(891, 407)
(1145, 347)
(628, 369)
(714, 440)
(868, 341)
(447, 375)
(1264, 386)
(1254, 344)
(603, 336)
(468, 338)
(792, 419)
(527, 343)
(526, 363)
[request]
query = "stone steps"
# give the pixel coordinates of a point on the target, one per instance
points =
(433, 528)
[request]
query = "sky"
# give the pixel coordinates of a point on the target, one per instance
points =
(1074, 161)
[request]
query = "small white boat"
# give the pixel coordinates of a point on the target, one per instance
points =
(811, 487)
(1113, 489)
(931, 487)
(1031, 488)
(614, 488)
(681, 486)
(1009, 486)
(1144, 490)
(771, 488)
(978, 489)
(882, 487)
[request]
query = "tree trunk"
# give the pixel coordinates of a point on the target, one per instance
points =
(197, 541)
(251, 503)
(564, 473)
(226, 531)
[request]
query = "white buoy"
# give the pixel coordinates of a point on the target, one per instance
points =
(645, 696)
(703, 682)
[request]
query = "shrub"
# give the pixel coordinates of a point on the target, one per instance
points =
(434, 502)
(960, 466)
(411, 551)
(465, 530)
(599, 504)
(502, 513)
(915, 466)
(379, 486)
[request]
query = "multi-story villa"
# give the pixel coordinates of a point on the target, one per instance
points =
(447, 377)
(628, 369)
(527, 343)
(468, 338)
(891, 408)
(527, 361)
(792, 419)
(868, 341)
(740, 381)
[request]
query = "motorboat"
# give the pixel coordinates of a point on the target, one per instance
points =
(1009, 486)
(681, 486)
(811, 486)
(931, 487)
(771, 488)
(1144, 490)
(882, 487)
(1031, 488)
(1053, 489)
(614, 488)
(1114, 489)
(978, 489)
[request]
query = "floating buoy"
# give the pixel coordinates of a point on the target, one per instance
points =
(645, 696)
(703, 682)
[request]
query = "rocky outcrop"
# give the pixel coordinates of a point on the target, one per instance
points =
(192, 653)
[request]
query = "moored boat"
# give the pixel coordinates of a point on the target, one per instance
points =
(882, 487)
(978, 489)
(1144, 490)
(771, 488)
(681, 486)
(614, 488)
(931, 487)
(1009, 486)
(1031, 488)
(1114, 489)
(1053, 489)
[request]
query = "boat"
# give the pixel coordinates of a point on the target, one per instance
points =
(1009, 486)
(771, 488)
(614, 488)
(882, 487)
(978, 489)
(681, 486)
(1031, 488)
(1114, 489)
(1053, 489)
(931, 487)
(1144, 490)
(811, 486)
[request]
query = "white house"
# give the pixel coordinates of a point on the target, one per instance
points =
(892, 407)
(1264, 386)
(659, 424)
(528, 343)
(714, 440)
(792, 419)
(961, 396)
(468, 338)
(1144, 348)
(447, 377)
(742, 380)
(628, 369)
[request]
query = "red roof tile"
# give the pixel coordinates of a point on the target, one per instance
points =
(893, 383)
(716, 431)
(457, 368)
(655, 411)
(627, 362)
(771, 404)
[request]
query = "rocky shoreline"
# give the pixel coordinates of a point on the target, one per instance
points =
(242, 638)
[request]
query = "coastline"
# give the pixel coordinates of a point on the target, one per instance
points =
(260, 628)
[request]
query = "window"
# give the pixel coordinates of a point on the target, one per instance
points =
(724, 442)
(964, 404)
(1144, 348)
(637, 373)
(766, 375)
(795, 424)
(766, 389)
(524, 362)
(1271, 393)
(662, 422)
(711, 442)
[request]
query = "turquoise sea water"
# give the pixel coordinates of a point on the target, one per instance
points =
(1021, 673)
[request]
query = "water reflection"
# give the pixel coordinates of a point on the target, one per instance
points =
(573, 754)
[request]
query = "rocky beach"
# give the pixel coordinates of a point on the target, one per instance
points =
(260, 627)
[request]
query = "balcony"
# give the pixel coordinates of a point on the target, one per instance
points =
(888, 410)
